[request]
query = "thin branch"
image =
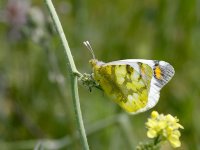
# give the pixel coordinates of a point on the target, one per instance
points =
(74, 73)
(61, 33)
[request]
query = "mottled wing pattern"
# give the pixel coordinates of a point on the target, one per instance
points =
(162, 74)
(134, 84)
(126, 85)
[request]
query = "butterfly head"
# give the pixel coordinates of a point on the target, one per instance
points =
(93, 62)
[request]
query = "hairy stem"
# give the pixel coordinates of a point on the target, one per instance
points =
(74, 73)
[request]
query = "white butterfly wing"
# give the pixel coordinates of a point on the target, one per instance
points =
(167, 72)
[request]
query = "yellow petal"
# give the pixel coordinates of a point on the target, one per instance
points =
(151, 133)
(180, 126)
(170, 118)
(177, 133)
(151, 123)
(162, 124)
(154, 114)
(174, 141)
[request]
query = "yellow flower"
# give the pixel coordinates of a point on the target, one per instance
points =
(165, 126)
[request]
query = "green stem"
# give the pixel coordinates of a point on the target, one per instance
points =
(61, 33)
(157, 140)
(74, 73)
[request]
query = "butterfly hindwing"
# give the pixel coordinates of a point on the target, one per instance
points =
(125, 85)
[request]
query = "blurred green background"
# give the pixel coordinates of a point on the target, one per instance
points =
(35, 95)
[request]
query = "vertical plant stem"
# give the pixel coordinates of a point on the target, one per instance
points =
(74, 73)
(61, 33)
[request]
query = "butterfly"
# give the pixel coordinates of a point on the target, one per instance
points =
(134, 84)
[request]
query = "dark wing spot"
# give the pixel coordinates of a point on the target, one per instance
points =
(129, 69)
(166, 73)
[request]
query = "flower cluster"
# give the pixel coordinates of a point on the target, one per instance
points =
(164, 126)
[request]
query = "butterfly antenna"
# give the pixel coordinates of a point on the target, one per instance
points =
(89, 47)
